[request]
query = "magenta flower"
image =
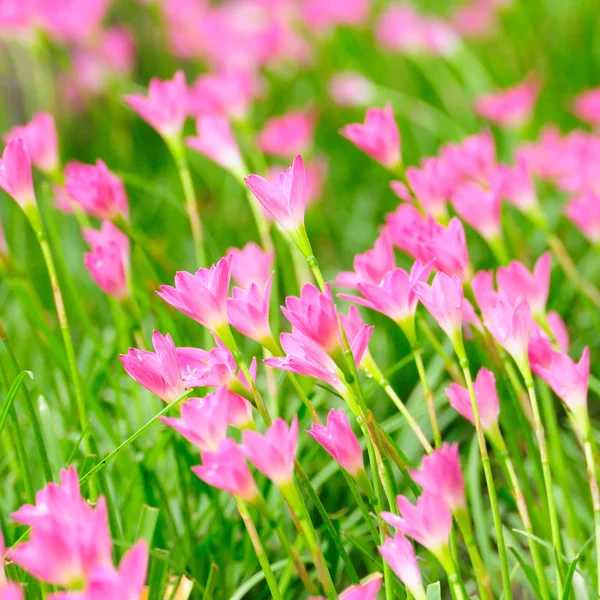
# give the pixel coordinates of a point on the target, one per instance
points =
(350, 88)
(378, 136)
(512, 107)
(248, 311)
(226, 469)
(441, 474)
(203, 295)
(584, 212)
(515, 185)
(340, 441)
(428, 522)
(289, 134)
(400, 555)
(474, 158)
(207, 368)
(251, 265)
(41, 140)
(367, 590)
(487, 297)
(165, 108)
(273, 453)
(68, 539)
(486, 396)
(433, 184)
(516, 280)
(321, 16)
(159, 372)
(215, 140)
(587, 106)
(285, 201)
(72, 21)
(481, 208)
(559, 330)
(99, 192)
(108, 233)
(15, 173)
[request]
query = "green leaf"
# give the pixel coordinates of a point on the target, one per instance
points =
(11, 395)
(434, 591)
(528, 570)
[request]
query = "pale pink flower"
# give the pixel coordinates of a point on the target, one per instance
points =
(515, 185)
(474, 20)
(108, 233)
(481, 208)
(400, 555)
(587, 106)
(226, 469)
(516, 280)
(473, 158)
(165, 108)
(8, 589)
(428, 522)
(273, 453)
(248, 311)
(487, 297)
(183, 20)
(366, 590)
(378, 136)
(350, 88)
(340, 441)
(251, 264)
(117, 48)
(584, 212)
(486, 396)
(15, 173)
(321, 15)
(406, 227)
(203, 295)
(289, 134)
(41, 140)
(559, 330)
(157, 371)
(68, 539)
(401, 190)
(17, 19)
(72, 21)
(215, 140)
(207, 368)
(433, 184)
(512, 107)
(99, 192)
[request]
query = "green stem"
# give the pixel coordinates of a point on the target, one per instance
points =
(454, 579)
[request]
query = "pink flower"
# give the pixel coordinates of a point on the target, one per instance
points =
(512, 327)
(226, 469)
(71, 20)
(325, 15)
(117, 48)
(41, 140)
(367, 590)
(248, 311)
(285, 201)
(481, 208)
(289, 134)
(349, 88)
(428, 522)
(274, 452)
(584, 212)
(587, 106)
(443, 299)
(165, 108)
(68, 539)
(203, 295)
(515, 185)
(394, 295)
(378, 136)
(568, 379)
(11, 591)
(432, 184)
(476, 20)
(157, 371)
(473, 158)
(441, 474)
(512, 107)
(215, 140)
(99, 192)
(207, 368)
(15, 173)
(559, 330)
(486, 395)
(203, 421)
(251, 265)
(516, 280)
(340, 441)
(371, 266)
(399, 554)
(108, 233)
(487, 297)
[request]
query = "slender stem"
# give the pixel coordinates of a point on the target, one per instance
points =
(489, 478)
(454, 579)
(258, 549)
(428, 396)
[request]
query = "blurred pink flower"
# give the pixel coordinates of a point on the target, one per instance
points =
(72, 21)
(165, 107)
(17, 18)
(117, 48)
(108, 266)
(481, 208)
(584, 212)
(487, 297)
(472, 159)
(41, 140)
(366, 590)
(587, 106)
(378, 136)
(251, 264)
(400, 555)
(486, 395)
(159, 371)
(340, 441)
(183, 21)
(15, 173)
(350, 88)
(559, 330)
(516, 186)
(474, 20)
(248, 311)
(319, 15)
(287, 135)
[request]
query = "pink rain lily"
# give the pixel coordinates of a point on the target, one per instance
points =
(487, 297)
(584, 212)
(400, 555)
(203, 295)
(515, 185)
(366, 590)
(512, 107)
(207, 368)
(15, 173)
(98, 192)
(72, 21)
(285, 200)
(159, 371)
(350, 88)
(289, 134)
(559, 330)
(340, 441)
(165, 108)
(428, 522)
(472, 159)
(378, 136)
(325, 15)
(226, 469)
(486, 395)
(251, 265)
(480, 208)
(215, 140)
(108, 233)
(8, 589)
(441, 474)
(587, 106)
(273, 453)
(248, 311)
(69, 539)
(41, 140)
